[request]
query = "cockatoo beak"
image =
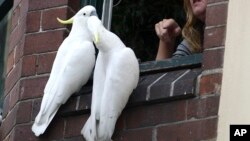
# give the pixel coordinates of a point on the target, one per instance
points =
(93, 25)
(69, 21)
(96, 40)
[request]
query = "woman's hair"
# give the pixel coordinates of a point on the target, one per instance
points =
(190, 31)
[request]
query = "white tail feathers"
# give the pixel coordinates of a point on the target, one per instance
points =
(89, 129)
(39, 129)
(43, 120)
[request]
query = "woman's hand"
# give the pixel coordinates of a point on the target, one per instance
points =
(167, 30)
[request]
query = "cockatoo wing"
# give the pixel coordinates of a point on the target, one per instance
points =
(61, 53)
(75, 70)
(54, 75)
(121, 78)
(56, 68)
(89, 130)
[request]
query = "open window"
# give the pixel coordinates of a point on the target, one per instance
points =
(134, 21)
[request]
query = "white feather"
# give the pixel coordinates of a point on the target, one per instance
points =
(71, 69)
(116, 74)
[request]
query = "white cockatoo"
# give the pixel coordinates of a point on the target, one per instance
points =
(71, 69)
(116, 74)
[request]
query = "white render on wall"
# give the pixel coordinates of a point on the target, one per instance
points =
(235, 95)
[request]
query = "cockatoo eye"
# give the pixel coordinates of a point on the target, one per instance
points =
(84, 14)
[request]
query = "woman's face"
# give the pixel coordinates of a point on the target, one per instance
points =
(199, 8)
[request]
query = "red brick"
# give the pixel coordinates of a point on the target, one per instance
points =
(24, 133)
(15, 17)
(184, 85)
(32, 88)
(43, 42)
(216, 14)
(135, 135)
(43, 4)
(149, 115)
(16, 3)
(120, 124)
(11, 135)
(210, 84)
(215, 37)
(9, 122)
(85, 100)
(18, 25)
(188, 131)
(29, 65)
(55, 130)
(213, 58)
(74, 125)
(24, 112)
(69, 106)
(45, 62)
(77, 138)
(6, 106)
(49, 20)
(35, 108)
(13, 77)
(17, 34)
(24, 5)
(20, 11)
(75, 5)
(33, 21)
(6, 138)
(202, 108)
(19, 50)
(14, 95)
(10, 62)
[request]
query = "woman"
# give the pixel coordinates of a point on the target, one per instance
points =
(167, 30)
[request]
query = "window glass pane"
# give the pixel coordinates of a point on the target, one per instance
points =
(96, 3)
(133, 21)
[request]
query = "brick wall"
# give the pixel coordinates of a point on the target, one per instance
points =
(34, 39)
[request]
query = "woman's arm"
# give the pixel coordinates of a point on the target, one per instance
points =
(165, 50)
